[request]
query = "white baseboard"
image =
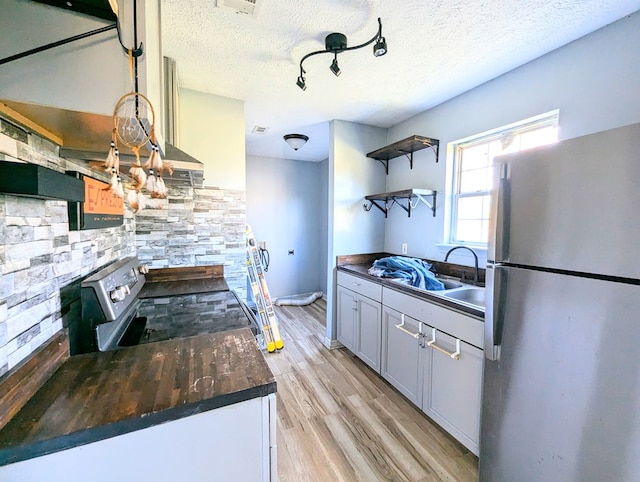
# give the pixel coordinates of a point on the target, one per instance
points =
(331, 344)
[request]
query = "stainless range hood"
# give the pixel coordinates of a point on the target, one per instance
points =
(87, 136)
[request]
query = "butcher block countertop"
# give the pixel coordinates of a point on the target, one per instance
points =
(159, 289)
(162, 282)
(100, 395)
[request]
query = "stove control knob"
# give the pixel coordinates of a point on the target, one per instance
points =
(118, 294)
(126, 289)
(143, 268)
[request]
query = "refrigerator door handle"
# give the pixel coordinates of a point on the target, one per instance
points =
(493, 313)
(498, 248)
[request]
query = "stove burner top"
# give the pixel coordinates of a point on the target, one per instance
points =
(113, 315)
(192, 314)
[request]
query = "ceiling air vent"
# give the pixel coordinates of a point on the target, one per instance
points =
(259, 130)
(247, 7)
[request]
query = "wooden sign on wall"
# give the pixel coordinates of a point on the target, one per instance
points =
(100, 209)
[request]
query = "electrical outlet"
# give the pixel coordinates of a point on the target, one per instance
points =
(262, 244)
(404, 248)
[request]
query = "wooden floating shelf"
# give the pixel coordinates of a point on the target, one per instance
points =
(385, 200)
(33, 180)
(405, 147)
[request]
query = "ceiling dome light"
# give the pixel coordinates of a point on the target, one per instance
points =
(380, 48)
(334, 67)
(336, 43)
(296, 141)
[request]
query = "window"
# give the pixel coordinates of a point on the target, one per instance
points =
(473, 173)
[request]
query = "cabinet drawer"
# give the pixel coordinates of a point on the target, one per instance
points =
(361, 286)
(456, 324)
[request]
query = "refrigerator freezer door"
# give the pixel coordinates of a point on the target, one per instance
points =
(562, 403)
(575, 205)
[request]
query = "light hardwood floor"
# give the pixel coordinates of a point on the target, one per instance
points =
(339, 420)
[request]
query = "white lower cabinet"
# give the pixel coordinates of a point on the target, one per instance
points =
(446, 388)
(393, 332)
(452, 387)
(401, 354)
(358, 319)
(346, 306)
(368, 339)
(236, 442)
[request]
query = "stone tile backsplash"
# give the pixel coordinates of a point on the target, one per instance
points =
(42, 263)
(197, 227)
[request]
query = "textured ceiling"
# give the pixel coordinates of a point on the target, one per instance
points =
(437, 50)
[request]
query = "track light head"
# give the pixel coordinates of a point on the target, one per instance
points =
(334, 67)
(301, 83)
(380, 48)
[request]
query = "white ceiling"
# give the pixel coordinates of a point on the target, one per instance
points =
(437, 50)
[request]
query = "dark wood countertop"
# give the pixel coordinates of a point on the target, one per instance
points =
(100, 395)
(158, 289)
(361, 270)
(183, 281)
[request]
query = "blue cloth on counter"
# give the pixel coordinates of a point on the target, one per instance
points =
(414, 271)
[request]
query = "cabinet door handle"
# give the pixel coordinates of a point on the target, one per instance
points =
(355, 284)
(432, 343)
(404, 330)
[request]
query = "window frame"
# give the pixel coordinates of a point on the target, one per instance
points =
(548, 119)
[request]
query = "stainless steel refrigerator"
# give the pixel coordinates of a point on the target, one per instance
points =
(561, 390)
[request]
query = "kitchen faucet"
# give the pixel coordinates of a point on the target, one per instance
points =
(476, 277)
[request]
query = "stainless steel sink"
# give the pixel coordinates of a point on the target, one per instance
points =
(448, 284)
(472, 296)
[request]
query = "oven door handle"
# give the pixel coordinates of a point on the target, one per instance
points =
(257, 331)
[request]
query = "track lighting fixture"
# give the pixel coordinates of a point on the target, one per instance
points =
(334, 66)
(336, 43)
(296, 141)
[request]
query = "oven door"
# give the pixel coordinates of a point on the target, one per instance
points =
(256, 327)
(127, 330)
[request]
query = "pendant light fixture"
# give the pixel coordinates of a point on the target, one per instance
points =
(337, 42)
(296, 141)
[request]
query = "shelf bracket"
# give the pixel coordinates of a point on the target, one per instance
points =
(409, 155)
(407, 208)
(430, 204)
(385, 164)
(372, 202)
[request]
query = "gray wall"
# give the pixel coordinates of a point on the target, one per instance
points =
(286, 208)
(324, 222)
(592, 81)
(351, 177)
